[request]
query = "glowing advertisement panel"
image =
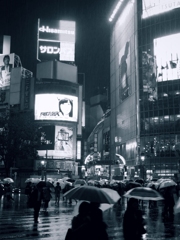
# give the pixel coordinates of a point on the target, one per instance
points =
(56, 40)
(6, 65)
(155, 7)
(56, 107)
(167, 57)
(63, 141)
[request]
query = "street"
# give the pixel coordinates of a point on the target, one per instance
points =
(16, 221)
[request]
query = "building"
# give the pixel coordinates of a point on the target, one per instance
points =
(145, 86)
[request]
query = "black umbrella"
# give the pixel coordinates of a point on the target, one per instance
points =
(139, 180)
(131, 185)
(42, 184)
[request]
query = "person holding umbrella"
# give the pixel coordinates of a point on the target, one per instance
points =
(36, 198)
(133, 221)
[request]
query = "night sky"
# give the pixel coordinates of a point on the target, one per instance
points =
(19, 20)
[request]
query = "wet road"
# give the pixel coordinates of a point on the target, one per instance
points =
(16, 222)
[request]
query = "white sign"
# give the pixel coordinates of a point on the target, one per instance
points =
(154, 7)
(56, 107)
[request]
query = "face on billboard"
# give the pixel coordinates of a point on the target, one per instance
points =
(167, 57)
(6, 65)
(56, 40)
(56, 107)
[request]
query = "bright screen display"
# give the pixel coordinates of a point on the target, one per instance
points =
(167, 57)
(154, 7)
(56, 107)
(56, 40)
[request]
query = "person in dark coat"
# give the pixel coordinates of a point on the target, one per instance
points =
(169, 202)
(36, 199)
(88, 224)
(133, 222)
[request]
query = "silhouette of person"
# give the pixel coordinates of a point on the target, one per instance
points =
(123, 78)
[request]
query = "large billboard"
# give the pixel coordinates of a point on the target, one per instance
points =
(155, 7)
(56, 40)
(6, 65)
(56, 107)
(62, 146)
(167, 57)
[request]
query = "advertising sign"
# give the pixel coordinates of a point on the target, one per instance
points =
(167, 57)
(46, 138)
(154, 7)
(56, 40)
(56, 107)
(124, 71)
(6, 65)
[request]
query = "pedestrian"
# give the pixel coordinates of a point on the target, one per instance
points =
(46, 197)
(8, 193)
(28, 190)
(57, 193)
(36, 200)
(133, 221)
(84, 225)
(169, 202)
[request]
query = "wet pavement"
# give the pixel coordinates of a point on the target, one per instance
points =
(16, 221)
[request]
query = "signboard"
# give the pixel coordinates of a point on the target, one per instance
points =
(167, 57)
(56, 40)
(6, 65)
(46, 138)
(154, 7)
(56, 107)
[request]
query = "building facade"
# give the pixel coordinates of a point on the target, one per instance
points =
(144, 78)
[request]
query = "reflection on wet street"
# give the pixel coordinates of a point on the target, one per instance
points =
(16, 221)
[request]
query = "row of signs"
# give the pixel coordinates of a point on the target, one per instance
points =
(56, 40)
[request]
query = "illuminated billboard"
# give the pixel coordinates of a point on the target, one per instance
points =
(63, 147)
(46, 138)
(167, 57)
(56, 107)
(6, 65)
(154, 7)
(56, 40)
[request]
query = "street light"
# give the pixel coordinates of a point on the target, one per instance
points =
(43, 170)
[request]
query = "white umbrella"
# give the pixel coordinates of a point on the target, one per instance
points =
(8, 180)
(143, 193)
(33, 180)
(93, 194)
(167, 183)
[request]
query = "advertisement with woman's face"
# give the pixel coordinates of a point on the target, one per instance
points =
(56, 107)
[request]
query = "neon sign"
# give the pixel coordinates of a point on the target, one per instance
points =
(52, 30)
(49, 49)
(154, 7)
(56, 40)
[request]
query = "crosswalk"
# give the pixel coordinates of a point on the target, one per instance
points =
(16, 221)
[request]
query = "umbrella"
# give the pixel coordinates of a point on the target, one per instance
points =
(143, 193)
(93, 194)
(8, 180)
(167, 183)
(139, 180)
(131, 185)
(32, 180)
(42, 184)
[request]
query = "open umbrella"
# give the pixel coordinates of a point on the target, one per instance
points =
(131, 185)
(143, 193)
(139, 180)
(167, 183)
(32, 180)
(93, 194)
(8, 180)
(42, 184)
